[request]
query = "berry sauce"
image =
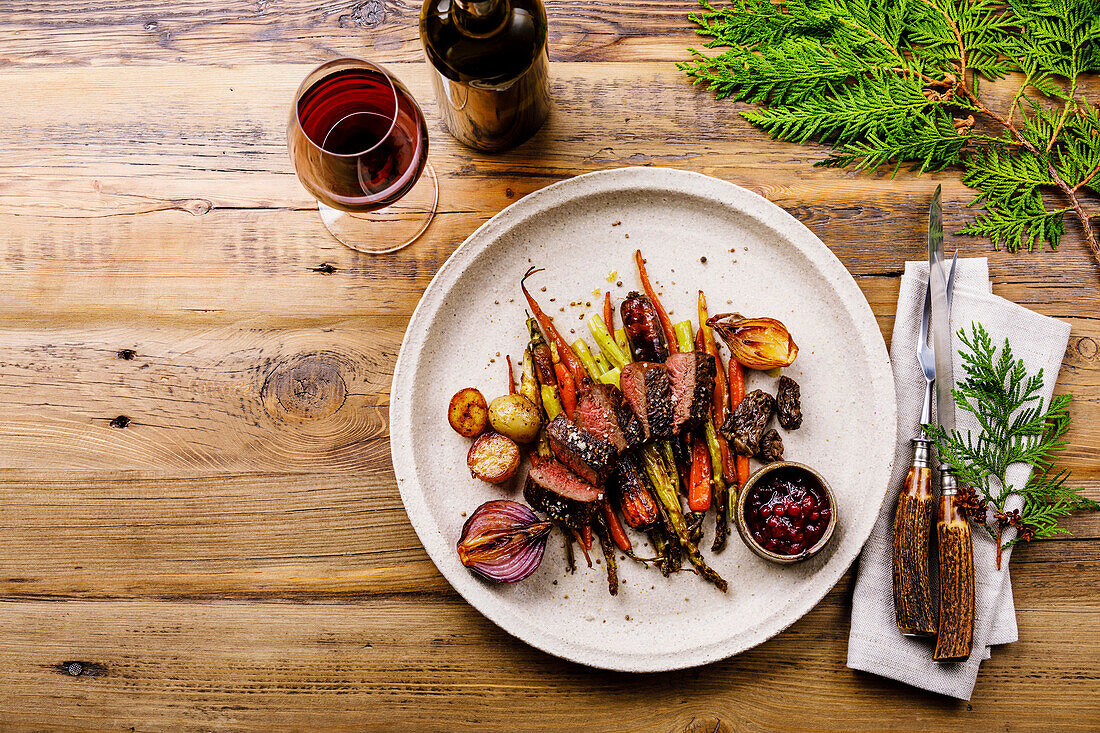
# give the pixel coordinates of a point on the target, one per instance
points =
(787, 511)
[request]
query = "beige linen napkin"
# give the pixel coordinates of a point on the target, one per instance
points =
(875, 645)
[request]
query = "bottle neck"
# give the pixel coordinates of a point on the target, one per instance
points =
(480, 18)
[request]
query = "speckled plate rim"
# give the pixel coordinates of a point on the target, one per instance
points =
(658, 180)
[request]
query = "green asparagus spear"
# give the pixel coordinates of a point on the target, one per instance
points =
(668, 497)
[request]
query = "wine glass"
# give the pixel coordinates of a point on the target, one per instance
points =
(359, 144)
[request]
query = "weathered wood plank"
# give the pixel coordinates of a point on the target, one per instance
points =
(432, 663)
(319, 535)
(237, 556)
(123, 32)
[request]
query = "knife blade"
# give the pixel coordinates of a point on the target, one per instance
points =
(941, 316)
(954, 547)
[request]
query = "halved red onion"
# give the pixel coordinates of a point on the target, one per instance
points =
(503, 541)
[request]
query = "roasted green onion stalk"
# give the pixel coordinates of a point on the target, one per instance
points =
(666, 493)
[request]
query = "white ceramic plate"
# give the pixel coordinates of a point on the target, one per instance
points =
(759, 261)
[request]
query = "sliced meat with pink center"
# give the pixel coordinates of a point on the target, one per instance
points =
(553, 489)
(596, 414)
(692, 376)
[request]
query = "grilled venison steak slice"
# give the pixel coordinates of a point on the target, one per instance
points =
(648, 391)
(582, 452)
(596, 414)
(632, 493)
(554, 490)
(692, 377)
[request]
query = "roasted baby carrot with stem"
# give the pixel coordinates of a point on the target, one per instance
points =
(602, 531)
(546, 323)
(608, 312)
(567, 389)
(699, 486)
(662, 314)
(511, 375)
(614, 526)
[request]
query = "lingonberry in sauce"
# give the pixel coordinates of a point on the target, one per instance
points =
(787, 511)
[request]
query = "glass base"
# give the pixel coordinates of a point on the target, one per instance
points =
(392, 228)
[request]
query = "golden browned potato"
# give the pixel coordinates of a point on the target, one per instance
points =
(515, 416)
(468, 413)
(493, 457)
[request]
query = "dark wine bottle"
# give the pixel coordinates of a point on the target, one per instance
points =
(491, 79)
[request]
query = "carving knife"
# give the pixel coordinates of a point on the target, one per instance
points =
(955, 551)
(914, 607)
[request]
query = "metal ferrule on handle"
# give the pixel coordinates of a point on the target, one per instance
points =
(955, 563)
(914, 606)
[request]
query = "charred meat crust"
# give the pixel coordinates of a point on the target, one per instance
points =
(788, 403)
(648, 390)
(633, 431)
(632, 493)
(581, 452)
(745, 427)
(658, 400)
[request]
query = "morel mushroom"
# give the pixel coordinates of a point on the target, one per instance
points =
(745, 427)
(788, 405)
(771, 447)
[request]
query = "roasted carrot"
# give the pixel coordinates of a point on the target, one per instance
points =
(586, 542)
(721, 408)
(567, 389)
(737, 393)
(511, 376)
(666, 322)
(615, 527)
(608, 312)
(576, 368)
(699, 487)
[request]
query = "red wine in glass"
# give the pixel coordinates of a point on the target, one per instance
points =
(359, 144)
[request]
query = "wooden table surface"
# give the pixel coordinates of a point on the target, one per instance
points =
(199, 524)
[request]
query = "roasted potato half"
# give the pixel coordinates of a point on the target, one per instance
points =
(493, 458)
(468, 412)
(514, 415)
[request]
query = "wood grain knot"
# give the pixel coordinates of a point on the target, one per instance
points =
(119, 422)
(365, 15)
(306, 387)
(80, 669)
(126, 354)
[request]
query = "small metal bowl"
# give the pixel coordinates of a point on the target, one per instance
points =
(743, 527)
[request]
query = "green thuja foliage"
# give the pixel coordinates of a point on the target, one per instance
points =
(897, 82)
